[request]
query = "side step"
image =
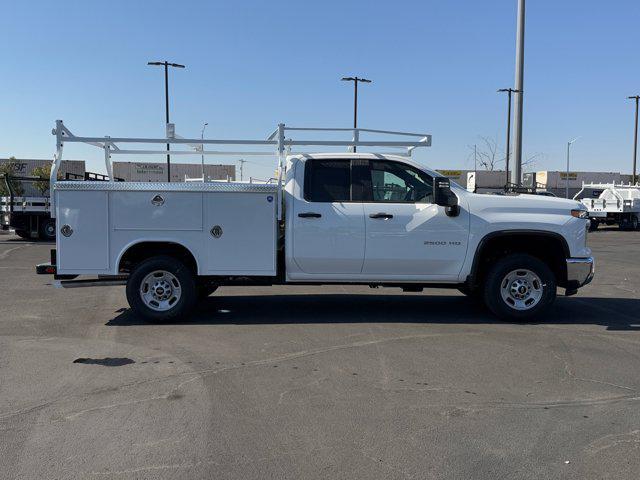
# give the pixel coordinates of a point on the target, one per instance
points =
(107, 281)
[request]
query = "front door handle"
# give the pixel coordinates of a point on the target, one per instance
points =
(384, 216)
(309, 215)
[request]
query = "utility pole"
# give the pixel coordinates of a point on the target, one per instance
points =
(516, 173)
(204, 125)
(567, 182)
(635, 141)
(166, 102)
(355, 81)
(242, 162)
(509, 92)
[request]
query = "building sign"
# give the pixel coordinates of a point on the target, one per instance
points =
(451, 173)
(570, 175)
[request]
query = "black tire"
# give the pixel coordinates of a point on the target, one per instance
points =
(593, 225)
(635, 225)
(205, 290)
(23, 234)
(48, 229)
(181, 273)
(498, 276)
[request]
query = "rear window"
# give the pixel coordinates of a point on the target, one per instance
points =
(327, 181)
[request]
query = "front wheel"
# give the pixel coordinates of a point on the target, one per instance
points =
(161, 289)
(519, 287)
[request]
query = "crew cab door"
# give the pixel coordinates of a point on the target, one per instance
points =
(328, 227)
(407, 235)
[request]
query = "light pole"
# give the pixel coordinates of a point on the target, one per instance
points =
(355, 81)
(509, 92)
(567, 181)
(204, 125)
(166, 102)
(241, 162)
(516, 171)
(635, 141)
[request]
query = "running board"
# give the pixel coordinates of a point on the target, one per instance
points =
(91, 282)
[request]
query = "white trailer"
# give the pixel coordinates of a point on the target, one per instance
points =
(611, 204)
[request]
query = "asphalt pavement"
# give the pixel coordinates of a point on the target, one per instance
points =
(319, 382)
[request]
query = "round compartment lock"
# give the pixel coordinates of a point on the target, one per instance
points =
(216, 231)
(66, 230)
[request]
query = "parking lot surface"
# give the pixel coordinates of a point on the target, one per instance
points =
(319, 382)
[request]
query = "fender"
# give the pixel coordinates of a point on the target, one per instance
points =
(511, 233)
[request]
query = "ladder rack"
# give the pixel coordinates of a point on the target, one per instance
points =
(279, 143)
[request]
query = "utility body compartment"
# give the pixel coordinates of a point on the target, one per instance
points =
(229, 228)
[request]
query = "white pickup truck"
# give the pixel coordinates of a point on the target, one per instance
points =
(333, 218)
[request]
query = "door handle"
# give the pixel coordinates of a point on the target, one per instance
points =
(384, 216)
(309, 215)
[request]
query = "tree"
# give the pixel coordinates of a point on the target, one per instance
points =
(44, 172)
(7, 169)
(490, 156)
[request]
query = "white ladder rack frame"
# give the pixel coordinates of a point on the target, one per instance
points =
(277, 140)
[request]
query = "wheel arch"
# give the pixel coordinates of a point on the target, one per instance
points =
(139, 250)
(550, 247)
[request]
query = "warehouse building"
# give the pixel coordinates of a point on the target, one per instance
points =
(157, 172)
(24, 167)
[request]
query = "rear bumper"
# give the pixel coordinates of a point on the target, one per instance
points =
(580, 272)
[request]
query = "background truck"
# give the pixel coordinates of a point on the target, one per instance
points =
(25, 204)
(611, 204)
(375, 219)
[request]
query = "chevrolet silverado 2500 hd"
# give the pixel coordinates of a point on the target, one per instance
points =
(341, 218)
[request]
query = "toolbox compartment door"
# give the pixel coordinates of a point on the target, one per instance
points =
(240, 233)
(86, 248)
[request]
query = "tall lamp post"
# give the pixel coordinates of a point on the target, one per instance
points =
(166, 102)
(635, 141)
(567, 181)
(509, 92)
(516, 171)
(355, 81)
(204, 125)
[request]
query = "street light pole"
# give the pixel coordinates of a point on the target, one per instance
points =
(516, 172)
(204, 125)
(567, 180)
(509, 92)
(166, 103)
(241, 162)
(355, 81)
(635, 141)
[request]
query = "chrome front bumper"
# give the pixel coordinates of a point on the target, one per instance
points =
(579, 272)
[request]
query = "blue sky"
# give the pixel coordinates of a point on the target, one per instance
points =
(436, 66)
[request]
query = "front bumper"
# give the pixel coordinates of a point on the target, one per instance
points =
(580, 271)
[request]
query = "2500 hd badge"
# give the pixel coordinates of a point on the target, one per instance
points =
(442, 243)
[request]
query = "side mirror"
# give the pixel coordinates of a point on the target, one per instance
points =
(444, 197)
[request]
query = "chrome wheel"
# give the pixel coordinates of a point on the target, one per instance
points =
(160, 290)
(521, 289)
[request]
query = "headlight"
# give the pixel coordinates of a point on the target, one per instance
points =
(579, 213)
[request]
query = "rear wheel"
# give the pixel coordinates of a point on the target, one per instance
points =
(634, 222)
(161, 289)
(519, 287)
(48, 229)
(593, 225)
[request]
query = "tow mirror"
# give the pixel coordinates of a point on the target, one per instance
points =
(444, 197)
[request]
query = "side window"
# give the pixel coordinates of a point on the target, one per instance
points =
(394, 182)
(327, 180)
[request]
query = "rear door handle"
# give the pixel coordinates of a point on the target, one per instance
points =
(309, 215)
(384, 216)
